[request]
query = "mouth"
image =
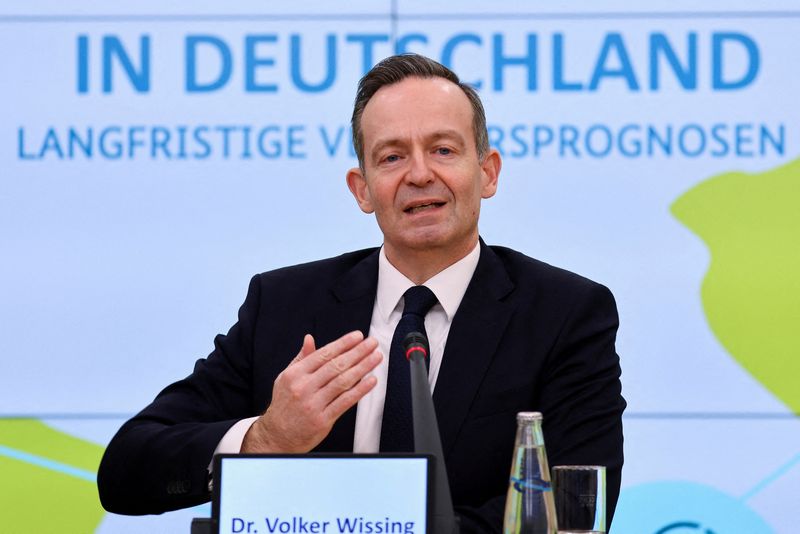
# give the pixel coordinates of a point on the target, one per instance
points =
(423, 206)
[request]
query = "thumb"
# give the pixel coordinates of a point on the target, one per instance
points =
(307, 348)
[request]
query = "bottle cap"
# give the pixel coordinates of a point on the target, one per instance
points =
(527, 417)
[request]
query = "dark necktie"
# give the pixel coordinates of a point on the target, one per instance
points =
(397, 429)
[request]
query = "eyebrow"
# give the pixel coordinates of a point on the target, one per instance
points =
(437, 135)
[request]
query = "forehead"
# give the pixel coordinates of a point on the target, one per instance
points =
(416, 107)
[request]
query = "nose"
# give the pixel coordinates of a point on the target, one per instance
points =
(419, 170)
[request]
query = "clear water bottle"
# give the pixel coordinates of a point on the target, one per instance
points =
(530, 508)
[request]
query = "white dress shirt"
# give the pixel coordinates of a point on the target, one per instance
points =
(449, 287)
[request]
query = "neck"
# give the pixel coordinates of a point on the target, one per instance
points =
(419, 266)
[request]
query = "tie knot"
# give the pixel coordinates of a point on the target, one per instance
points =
(418, 300)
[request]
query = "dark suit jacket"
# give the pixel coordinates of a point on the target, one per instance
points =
(527, 336)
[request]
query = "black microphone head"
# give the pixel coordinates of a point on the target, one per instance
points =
(415, 343)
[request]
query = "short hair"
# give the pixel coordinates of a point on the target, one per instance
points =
(397, 68)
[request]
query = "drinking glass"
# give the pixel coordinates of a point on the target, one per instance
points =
(580, 496)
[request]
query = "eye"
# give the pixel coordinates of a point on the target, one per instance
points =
(444, 151)
(391, 158)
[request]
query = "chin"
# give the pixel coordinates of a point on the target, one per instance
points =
(428, 241)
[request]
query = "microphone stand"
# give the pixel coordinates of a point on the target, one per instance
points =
(426, 433)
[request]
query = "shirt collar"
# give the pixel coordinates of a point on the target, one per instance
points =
(449, 285)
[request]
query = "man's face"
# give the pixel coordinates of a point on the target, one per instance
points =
(422, 177)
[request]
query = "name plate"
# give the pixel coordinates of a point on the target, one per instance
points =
(322, 494)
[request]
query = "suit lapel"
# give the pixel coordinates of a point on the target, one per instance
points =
(474, 335)
(354, 297)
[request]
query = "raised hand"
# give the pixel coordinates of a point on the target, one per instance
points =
(313, 392)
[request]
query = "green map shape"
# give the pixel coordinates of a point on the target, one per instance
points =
(42, 500)
(751, 292)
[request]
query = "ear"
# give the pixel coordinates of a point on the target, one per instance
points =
(357, 183)
(490, 171)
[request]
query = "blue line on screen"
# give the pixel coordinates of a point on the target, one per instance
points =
(395, 19)
(775, 475)
(604, 16)
(74, 415)
(48, 464)
(390, 16)
(710, 415)
(222, 17)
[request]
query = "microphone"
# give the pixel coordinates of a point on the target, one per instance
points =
(415, 342)
(426, 432)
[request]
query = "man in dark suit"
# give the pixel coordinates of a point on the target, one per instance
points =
(508, 333)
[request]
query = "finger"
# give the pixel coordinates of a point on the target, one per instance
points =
(307, 348)
(350, 378)
(323, 355)
(349, 398)
(342, 363)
